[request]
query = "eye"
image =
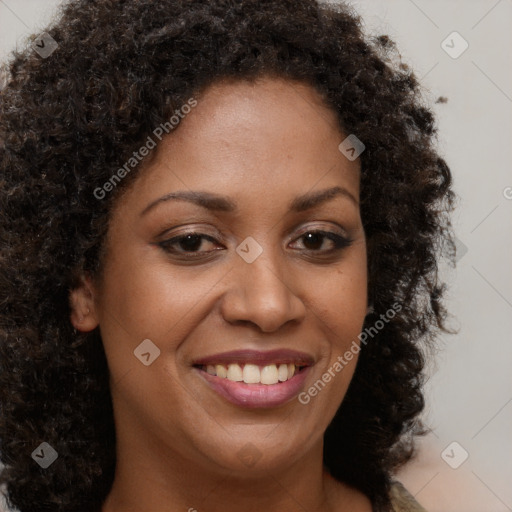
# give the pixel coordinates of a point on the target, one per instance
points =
(314, 240)
(187, 244)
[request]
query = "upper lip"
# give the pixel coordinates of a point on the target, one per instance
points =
(258, 357)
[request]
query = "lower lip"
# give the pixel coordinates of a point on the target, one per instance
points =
(254, 396)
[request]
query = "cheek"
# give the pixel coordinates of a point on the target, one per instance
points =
(343, 306)
(145, 297)
(343, 298)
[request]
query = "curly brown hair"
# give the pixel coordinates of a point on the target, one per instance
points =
(67, 121)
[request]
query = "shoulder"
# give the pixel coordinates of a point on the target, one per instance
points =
(402, 500)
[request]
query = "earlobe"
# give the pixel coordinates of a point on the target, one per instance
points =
(83, 311)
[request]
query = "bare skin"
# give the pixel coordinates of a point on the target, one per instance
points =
(181, 445)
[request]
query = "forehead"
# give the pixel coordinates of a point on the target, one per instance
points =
(265, 107)
(246, 139)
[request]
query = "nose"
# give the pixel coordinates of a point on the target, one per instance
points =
(261, 293)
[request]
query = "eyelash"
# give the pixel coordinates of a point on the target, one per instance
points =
(340, 243)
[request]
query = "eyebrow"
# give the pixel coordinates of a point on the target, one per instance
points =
(220, 203)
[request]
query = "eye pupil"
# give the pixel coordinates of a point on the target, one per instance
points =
(313, 238)
(190, 242)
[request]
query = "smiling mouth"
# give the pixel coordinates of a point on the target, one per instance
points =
(249, 373)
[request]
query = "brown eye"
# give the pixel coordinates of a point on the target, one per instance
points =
(314, 240)
(190, 242)
(186, 243)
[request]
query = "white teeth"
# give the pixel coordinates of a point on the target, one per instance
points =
(235, 373)
(252, 373)
(269, 374)
(283, 372)
(221, 371)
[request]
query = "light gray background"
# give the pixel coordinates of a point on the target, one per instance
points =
(469, 393)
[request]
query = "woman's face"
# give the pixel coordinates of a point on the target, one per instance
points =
(256, 293)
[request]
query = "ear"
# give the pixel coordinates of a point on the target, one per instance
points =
(83, 315)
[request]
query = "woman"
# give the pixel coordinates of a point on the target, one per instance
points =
(221, 225)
